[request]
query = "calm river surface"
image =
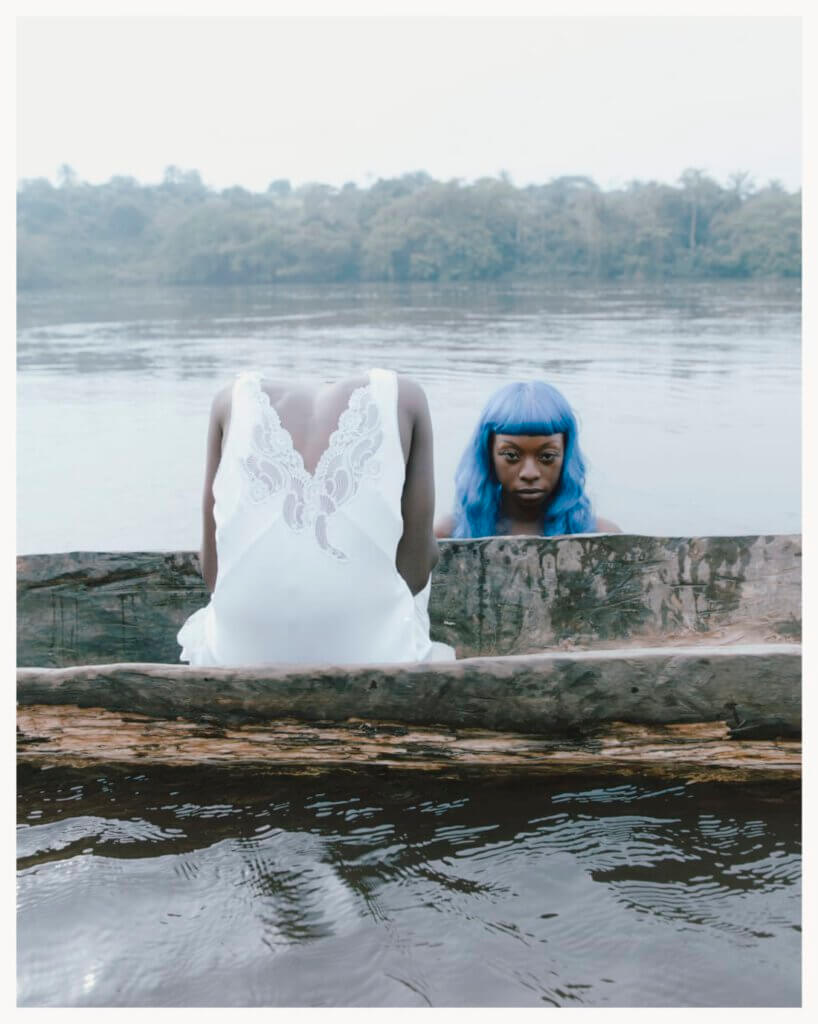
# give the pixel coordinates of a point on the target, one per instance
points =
(228, 888)
(210, 888)
(688, 395)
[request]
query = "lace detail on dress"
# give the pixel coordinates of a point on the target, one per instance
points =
(311, 499)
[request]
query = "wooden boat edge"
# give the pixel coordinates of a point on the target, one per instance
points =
(752, 687)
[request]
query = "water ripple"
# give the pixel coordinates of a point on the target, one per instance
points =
(200, 888)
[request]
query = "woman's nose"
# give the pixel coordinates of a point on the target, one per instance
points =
(530, 471)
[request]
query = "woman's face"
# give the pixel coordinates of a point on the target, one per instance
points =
(528, 467)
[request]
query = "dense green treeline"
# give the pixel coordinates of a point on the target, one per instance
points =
(411, 228)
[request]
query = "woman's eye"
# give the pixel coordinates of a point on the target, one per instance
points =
(511, 456)
(548, 457)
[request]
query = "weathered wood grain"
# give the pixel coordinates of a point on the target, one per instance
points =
(70, 736)
(512, 595)
(495, 596)
(87, 607)
(753, 688)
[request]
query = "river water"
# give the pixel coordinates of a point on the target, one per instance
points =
(688, 395)
(191, 888)
(172, 887)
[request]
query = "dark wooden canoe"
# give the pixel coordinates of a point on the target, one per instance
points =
(490, 597)
(607, 650)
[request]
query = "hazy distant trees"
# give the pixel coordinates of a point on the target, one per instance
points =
(441, 231)
(410, 228)
(279, 187)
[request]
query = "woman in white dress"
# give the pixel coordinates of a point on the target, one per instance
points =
(317, 542)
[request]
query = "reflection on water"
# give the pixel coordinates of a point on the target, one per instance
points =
(178, 887)
(688, 395)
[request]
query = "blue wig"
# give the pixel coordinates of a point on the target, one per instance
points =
(531, 407)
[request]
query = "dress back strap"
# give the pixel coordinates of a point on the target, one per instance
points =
(384, 389)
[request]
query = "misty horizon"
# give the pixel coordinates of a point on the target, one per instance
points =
(753, 181)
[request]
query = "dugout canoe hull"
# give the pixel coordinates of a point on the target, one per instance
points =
(599, 651)
(489, 597)
(751, 688)
(68, 736)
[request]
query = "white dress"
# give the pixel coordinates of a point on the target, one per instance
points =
(306, 561)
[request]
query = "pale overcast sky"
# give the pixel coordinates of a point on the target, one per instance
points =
(245, 101)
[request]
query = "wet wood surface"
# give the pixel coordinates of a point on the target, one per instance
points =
(607, 653)
(755, 689)
(492, 596)
(54, 736)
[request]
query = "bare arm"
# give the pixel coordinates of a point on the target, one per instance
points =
(444, 526)
(417, 552)
(606, 526)
(219, 418)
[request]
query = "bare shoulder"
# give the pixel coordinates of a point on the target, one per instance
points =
(444, 527)
(411, 395)
(414, 418)
(220, 406)
(606, 526)
(221, 400)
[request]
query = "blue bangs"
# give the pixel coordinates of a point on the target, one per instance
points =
(525, 407)
(531, 407)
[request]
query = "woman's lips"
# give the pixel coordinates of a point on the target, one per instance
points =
(529, 492)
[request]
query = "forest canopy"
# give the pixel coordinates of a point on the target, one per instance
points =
(411, 228)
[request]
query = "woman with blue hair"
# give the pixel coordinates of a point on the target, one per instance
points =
(522, 471)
